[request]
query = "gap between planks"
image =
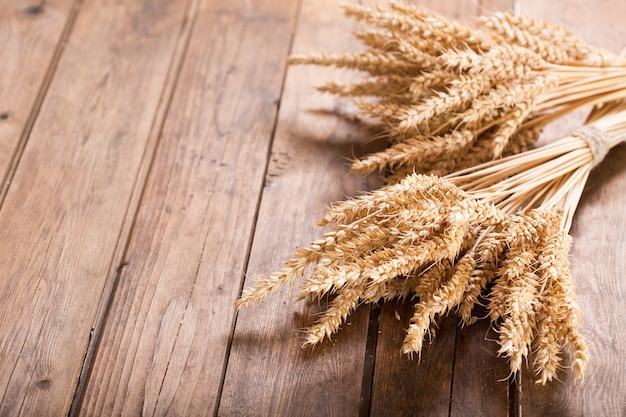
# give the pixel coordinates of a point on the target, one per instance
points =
(369, 362)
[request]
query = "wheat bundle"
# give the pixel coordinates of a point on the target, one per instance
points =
(449, 97)
(426, 239)
(494, 232)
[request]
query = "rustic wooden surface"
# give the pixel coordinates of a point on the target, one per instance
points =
(31, 36)
(158, 156)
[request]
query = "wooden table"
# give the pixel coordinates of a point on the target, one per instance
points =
(157, 156)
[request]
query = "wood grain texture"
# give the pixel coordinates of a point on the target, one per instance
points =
(119, 257)
(405, 387)
(598, 261)
(152, 159)
(62, 215)
(29, 44)
(269, 374)
(486, 7)
(480, 386)
(164, 345)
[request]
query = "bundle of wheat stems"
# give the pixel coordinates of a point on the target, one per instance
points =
(449, 97)
(553, 175)
(493, 232)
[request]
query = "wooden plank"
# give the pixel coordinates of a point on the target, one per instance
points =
(598, 261)
(459, 373)
(480, 384)
(486, 7)
(29, 48)
(119, 257)
(167, 334)
(404, 387)
(63, 213)
(268, 372)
